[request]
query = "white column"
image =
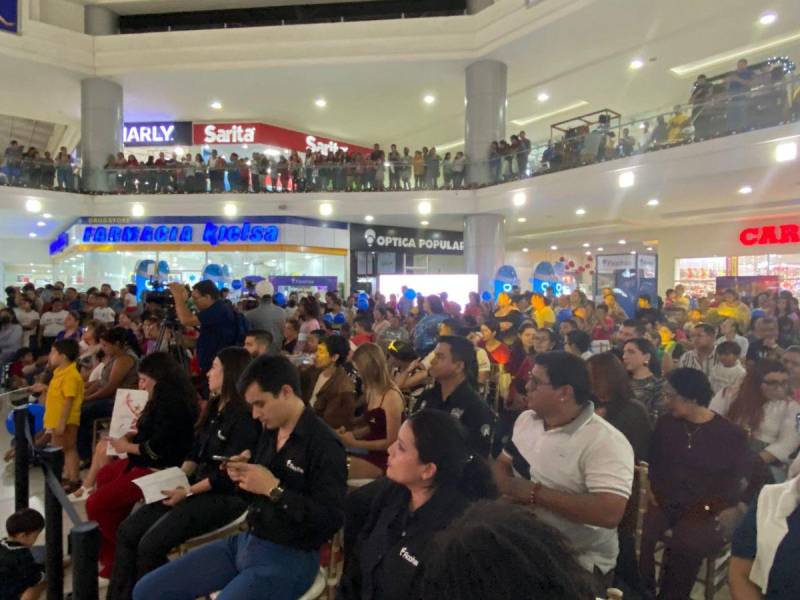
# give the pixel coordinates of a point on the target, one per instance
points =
(476, 6)
(98, 20)
(484, 247)
(101, 129)
(485, 120)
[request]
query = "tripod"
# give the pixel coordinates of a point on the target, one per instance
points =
(170, 333)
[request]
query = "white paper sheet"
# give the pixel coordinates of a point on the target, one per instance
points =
(128, 405)
(167, 479)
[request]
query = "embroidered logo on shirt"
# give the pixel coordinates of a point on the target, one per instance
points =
(220, 436)
(486, 430)
(293, 467)
(405, 555)
(457, 412)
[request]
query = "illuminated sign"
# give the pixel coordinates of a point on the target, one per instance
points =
(59, 244)
(240, 133)
(211, 233)
(157, 134)
(770, 234)
(323, 147)
(235, 134)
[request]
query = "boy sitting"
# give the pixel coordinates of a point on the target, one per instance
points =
(21, 578)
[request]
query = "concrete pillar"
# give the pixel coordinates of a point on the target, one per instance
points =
(476, 6)
(98, 20)
(484, 247)
(485, 120)
(101, 129)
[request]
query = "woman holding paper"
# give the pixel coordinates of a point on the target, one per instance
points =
(146, 537)
(163, 438)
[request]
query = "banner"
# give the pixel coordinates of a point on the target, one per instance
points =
(377, 238)
(9, 16)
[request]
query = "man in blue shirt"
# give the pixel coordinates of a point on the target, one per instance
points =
(739, 83)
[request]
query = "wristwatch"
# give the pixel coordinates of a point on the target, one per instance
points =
(276, 493)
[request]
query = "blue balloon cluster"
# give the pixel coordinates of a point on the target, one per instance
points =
(328, 318)
(34, 410)
(339, 319)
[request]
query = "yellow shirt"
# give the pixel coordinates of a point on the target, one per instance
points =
(66, 383)
(545, 317)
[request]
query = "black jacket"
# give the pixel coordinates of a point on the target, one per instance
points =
(165, 433)
(18, 570)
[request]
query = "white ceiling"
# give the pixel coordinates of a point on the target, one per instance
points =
(142, 7)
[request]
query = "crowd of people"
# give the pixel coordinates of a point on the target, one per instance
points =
(490, 451)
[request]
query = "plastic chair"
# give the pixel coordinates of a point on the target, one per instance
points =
(317, 588)
(235, 527)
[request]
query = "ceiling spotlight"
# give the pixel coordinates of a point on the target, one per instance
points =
(519, 199)
(230, 210)
(652, 202)
(633, 251)
(31, 234)
(745, 189)
(47, 216)
(429, 99)
(554, 247)
(580, 212)
(137, 210)
(369, 218)
(588, 253)
(524, 249)
(636, 64)
(521, 219)
(626, 179)
(424, 223)
(622, 242)
(216, 105)
(786, 151)
(33, 205)
(424, 207)
(768, 18)
(600, 249)
(326, 209)
(543, 97)
(321, 102)
(40, 223)
(649, 248)
(586, 245)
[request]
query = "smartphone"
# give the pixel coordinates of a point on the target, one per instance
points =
(221, 458)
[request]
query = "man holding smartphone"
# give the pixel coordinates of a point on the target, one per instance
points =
(296, 480)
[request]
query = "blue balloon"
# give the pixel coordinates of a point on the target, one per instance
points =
(236, 284)
(486, 296)
(280, 299)
(757, 313)
(410, 294)
(34, 410)
(563, 315)
(328, 318)
(363, 296)
(339, 319)
(362, 304)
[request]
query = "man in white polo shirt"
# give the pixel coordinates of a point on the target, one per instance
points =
(571, 466)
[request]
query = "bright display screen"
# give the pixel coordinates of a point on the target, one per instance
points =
(457, 287)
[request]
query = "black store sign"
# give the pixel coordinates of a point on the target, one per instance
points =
(405, 240)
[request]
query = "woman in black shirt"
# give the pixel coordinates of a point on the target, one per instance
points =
(163, 438)
(225, 429)
(432, 479)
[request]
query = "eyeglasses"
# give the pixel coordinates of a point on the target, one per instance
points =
(776, 382)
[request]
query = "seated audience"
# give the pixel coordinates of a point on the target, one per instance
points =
(257, 342)
(331, 392)
(640, 358)
(728, 371)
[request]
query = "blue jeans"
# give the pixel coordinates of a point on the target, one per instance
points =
(244, 567)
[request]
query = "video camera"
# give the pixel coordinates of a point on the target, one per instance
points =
(159, 294)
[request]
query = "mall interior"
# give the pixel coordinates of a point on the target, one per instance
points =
(567, 145)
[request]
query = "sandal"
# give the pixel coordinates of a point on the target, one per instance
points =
(80, 494)
(71, 486)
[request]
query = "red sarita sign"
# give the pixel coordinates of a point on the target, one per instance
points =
(770, 234)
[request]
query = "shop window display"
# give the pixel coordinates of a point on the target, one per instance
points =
(699, 275)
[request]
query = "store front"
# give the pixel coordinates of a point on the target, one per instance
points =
(118, 250)
(379, 250)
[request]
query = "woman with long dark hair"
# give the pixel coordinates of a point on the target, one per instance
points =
(433, 478)
(640, 358)
(226, 428)
(763, 407)
(163, 438)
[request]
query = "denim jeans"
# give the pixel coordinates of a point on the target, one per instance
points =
(244, 567)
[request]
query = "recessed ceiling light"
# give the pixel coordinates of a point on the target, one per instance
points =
(652, 202)
(47, 216)
(429, 99)
(216, 105)
(622, 242)
(633, 251)
(521, 219)
(554, 247)
(424, 207)
(745, 189)
(321, 102)
(626, 179)
(230, 210)
(588, 253)
(137, 210)
(524, 249)
(40, 223)
(586, 245)
(636, 64)
(33, 205)
(649, 248)
(580, 212)
(768, 18)
(326, 209)
(600, 249)
(786, 151)
(31, 234)
(543, 97)
(369, 218)
(424, 223)
(519, 199)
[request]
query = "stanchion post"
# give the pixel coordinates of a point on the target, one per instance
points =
(54, 526)
(22, 457)
(85, 543)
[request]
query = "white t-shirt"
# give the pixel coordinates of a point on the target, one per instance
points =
(722, 376)
(25, 318)
(585, 456)
(105, 314)
(53, 323)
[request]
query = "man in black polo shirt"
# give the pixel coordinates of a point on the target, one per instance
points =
(297, 482)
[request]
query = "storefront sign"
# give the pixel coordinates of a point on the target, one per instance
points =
(208, 233)
(162, 133)
(770, 234)
(9, 16)
(270, 135)
(410, 241)
(609, 264)
(288, 284)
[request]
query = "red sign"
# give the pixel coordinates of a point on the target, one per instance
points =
(270, 135)
(770, 234)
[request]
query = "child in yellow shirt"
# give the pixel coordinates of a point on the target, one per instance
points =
(62, 413)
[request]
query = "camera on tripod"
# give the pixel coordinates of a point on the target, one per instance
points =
(160, 295)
